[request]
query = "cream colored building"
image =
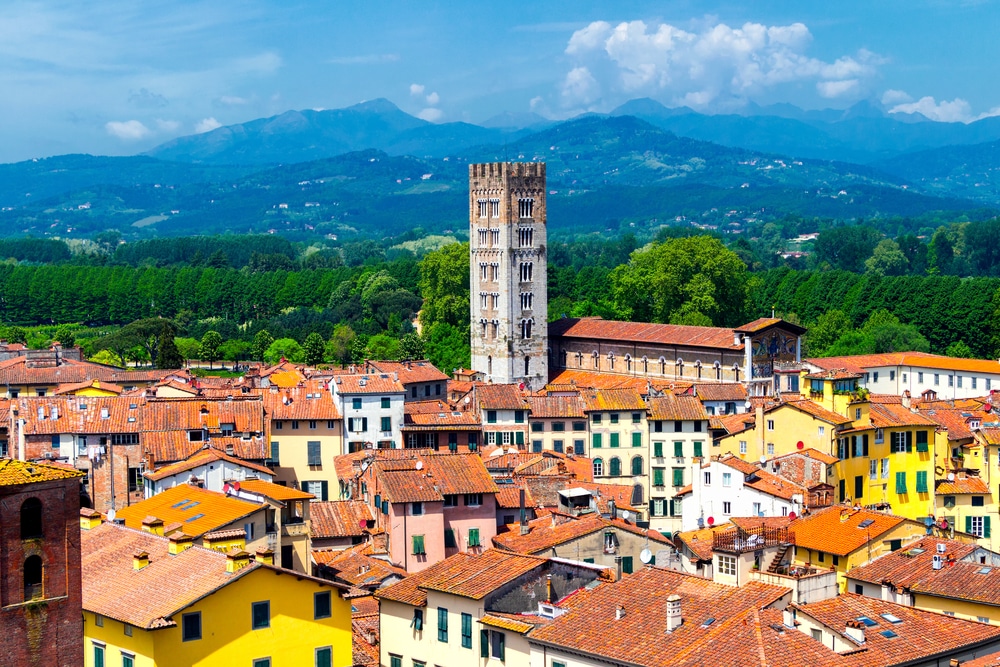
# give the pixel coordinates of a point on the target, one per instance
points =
(304, 437)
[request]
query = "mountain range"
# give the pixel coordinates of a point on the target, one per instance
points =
(372, 169)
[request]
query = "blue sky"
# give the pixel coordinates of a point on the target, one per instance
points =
(116, 77)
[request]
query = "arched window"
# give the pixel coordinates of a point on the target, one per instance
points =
(31, 518)
(615, 466)
(32, 578)
(565, 357)
(597, 360)
(611, 360)
(579, 359)
(598, 468)
(736, 371)
(645, 365)
(680, 368)
(489, 365)
(697, 365)
(663, 366)
(628, 363)
(638, 497)
(718, 370)
(636, 465)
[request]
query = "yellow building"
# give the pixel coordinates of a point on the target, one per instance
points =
(779, 429)
(842, 537)
(151, 601)
(834, 390)
(305, 436)
(964, 582)
(619, 437)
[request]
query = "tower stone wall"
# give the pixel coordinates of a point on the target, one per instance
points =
(508, 267)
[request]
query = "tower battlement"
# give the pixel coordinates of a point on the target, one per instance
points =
(500, 170)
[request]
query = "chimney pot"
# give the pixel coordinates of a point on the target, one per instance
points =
(674, 618)
(620, 612)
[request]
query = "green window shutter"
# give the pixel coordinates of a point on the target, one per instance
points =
(615, 466)
(921, 481)
(519, 437)
(657, 476)
(484, 643)
(678, 449)
(678, 476)
(921, 441)
(503, 649)
(697, 448)
(275, 452)
(900, 483)
(325, 490)
(466, 630)
(596, 441)
(909, 442)
(418, 545)
(626, 565)
(968, 524)
(637, 439)
(864, 444)
(386, 424)
(449, 538)
(658, 449)
(442, 625)
(614, 440)
(314, 453)
(473, 537)
(986, 526)
(324, 657)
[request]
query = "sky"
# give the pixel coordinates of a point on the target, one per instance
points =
(118, 77)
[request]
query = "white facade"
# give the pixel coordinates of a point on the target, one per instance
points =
(370, 420)
(213, 475)
(719, 492)
(963, 378)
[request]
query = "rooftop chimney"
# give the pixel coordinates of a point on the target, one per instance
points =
(620, 612)
(140, 559)
(265, 556)
(89, 518)
(524, 512)
(674, 618)
(855, 631)
(179, 542)
(788, 617)
(237, 559)
(152, 525)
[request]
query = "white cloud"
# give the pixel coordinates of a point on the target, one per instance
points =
(433, 99)
(167, 125)
(416, 89)
(233, 100)
(957, 110)
(537, 102)
(893, 97)
(206, 125)
(128, 130)
(712, 63)
(430, 114)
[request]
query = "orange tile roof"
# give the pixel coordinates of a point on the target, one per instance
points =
(556, 407)
(357, 566)
(339, 518)
(439, 415)
(441, 474)
(733, 424)
(919, 634)
(763, 323)
(815, 410)
(725, 391)
(764, 480)
(198, 510)
(884, 415)
(172, 414)
(567, 379)
(14, 472)
(307, 401)
(811, 453)
(73, 387)
(836, 530)
(363, 627)
(640, 332)
(991, 660)
(409, 371)
(499, 397)
(80, 414)
(595, 400)
(273, 491)
(916, 359)
(700, 541)
(376, 383)
(963, 483)
(543, 535)
(835, 374)
(671, 407)
(956, 421)
(207, 454)
(168, 446)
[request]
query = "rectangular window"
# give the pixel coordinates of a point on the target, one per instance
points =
(770, 424)
(678, 476)
(395, 660)
(386, 424)
(743, 446)
(557, 446)
(128, 659)
(275, 453)
(637, 439)
(885, 468)
(321, 605)
(579, 426)
(518, 416)
(449, 539)
(314, 451)
(727, 479)
(385, 402)
(295, 425)
(491, 416)
(98, 655)
(614, 440)
(473, 499)
(727, 565)
(658, 450)
(442, 625)
(356, 403)
(921, 481)
(708, 478)
(978, 501)
(697, 448)
(466, 630)
(474, 537)
(262, 662)
(922, 441)
(416, 509)
(727, 508)
(536, 446)
(596, 441)
(596, 418)
(324, 656)
(679, 450)
(191, 626)
(558, 427)
(873, 469)
(418, 546)
(260, 615)
(537, 427)
(578, 447)
(614, 417)
(658, 475)
(901, 483)
(678, 426)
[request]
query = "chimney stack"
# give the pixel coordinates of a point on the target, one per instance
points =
(140, 559)
(265, 556)
(179, 542)
(237, 559)
(620, 612)
(152, 525)
(89, 518)
(855, 630)
(674, 618)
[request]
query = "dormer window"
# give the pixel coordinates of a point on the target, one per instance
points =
(196, 436)
(227, 430)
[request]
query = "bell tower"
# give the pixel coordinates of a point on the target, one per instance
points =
(508, 291)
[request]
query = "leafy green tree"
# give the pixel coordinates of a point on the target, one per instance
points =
(846, 248)
(382, 346)
(447, 346)
(411, 347)
(887, 259)
(234, 349)
(168, 356)
(338, 349)
(881, 333)
(829, 327)
(108, 358)
(941, 253)
(188, 348)
(65, 336)
(915, 252)
(262, 341)
(217, 260)
(357, 349)
(14, 334)
(681, 277)
(960, 349)
(209, 350)
(444, 285)
(286, 348)
(314, 349)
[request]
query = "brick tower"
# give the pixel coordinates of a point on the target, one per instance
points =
(41, 598)
(509, 299)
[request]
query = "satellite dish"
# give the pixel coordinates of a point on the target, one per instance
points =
(711, 521)
(497, 452)
(951, 477)
(646, 556)
(466, 400)
(763, 460)
(420, 465)
(748, 404)
(363, 523)
(626, 515)
(111, 514)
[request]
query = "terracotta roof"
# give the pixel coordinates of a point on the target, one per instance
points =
(169, 446)
(762, 479)
(726, 391)
(308, 401)
(812, 453)
(733, 424)
(198, 510)
(916, 359)
(836, 530)
(339, 518)
(80, 414)
(817, 411)
(439, 416)
(890, 415)
(956, 421)
(363, 627)
(918, 634)
(376, 383)
(640, 332)
(543, 535)
(566, 379)
(763, 323)
(441, 474)
(641, 637)
(357, 566)
(596, 400)
(14, 472)
(73, 387)
(991, 660)
(273, 491)
(204, 456)
(963, 483)
(175, 414)
(676, 408)
(500, 397)
(700, 541)
(556, 407)
(410, 371)
(835, 374)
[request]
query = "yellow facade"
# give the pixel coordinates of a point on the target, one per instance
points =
(967, 609)
(292, 464)
(291, 638)
(777, 432)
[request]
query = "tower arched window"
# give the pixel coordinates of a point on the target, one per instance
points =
(645, 364)
(579, 359)
(598, 467)
(697, 365)
(31, 518)
(565, 358)
(597, 361)
(680, 368)
(628, 363)
(736, 371)
(611, 361)
(636, 465)
(615, 466)
(32, 578)
(663, 366)
(718, 370)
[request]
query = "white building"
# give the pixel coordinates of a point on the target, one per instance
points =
(372, 410)
(211, 467)
(731, 487)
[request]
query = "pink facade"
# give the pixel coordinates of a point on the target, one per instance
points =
(463, 520)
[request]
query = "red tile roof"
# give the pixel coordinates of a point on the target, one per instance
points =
(14, 472)
(376, 383)
(916, 359)
(499, 397)
(307, 401)
(273, 491)
(440, 475)
(597, 400)
(836, 530)
(409, 371)
(663, 334)
(357, 566)
(671, 407)
(726, 391)
(207, 454)
(817, 411)
(197, 510)
(962, 483)
(885, 415)
(339, 518)
(556, 407)
(543, 535)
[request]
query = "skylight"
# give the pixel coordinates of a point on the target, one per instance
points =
(985, 570)
(891, 618)
(888, 634)
(193, 518)
(916, 551)
(866, 523)
(708, 621)
(867, 621)
(183, 502)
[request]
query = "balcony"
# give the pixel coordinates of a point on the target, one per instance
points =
(743, 541)
(808, 584)
(294, 529)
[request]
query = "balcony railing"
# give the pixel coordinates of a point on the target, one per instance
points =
(742, 541)
(294, 529)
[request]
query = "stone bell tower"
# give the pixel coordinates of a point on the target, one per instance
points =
(509, 299)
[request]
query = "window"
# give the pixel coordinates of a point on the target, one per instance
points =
(697, 448)
(678, 476)
(727, 565)
(32, 578)
(395, 660)
(275, 452)
(98, 655)
(578, 447)
(31, 518)
(708, 478)
(191, 626)
(386, 424)
(442, 625)
(901, 483)
(557, 446)
(385, 402)
(770, 449)
(922, 482)
(128, 660)
(537, 427)
(321, 605)
(977, 501)
(314, 452)
(743, 446)
(474, 537)
(418, 546)
(466, 630)
(873, 469)
(615, 467)
(978, 525)
(596, 440)
(416, 509)
(727, 479)
(418, 620)
(261, 615)
(615, 440)
(678, 450)
(324, 656)
(596, 418)
(658, 449)
(598, 467)
(727, 508)
(262, 662)
(558, 427)
(492, 644)
(658, 476)
(678, 426)
(636, 465)
(278, 425)
(885, 468)
(579, 426)
(473, 499)
(491, 416)
(770, 424)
